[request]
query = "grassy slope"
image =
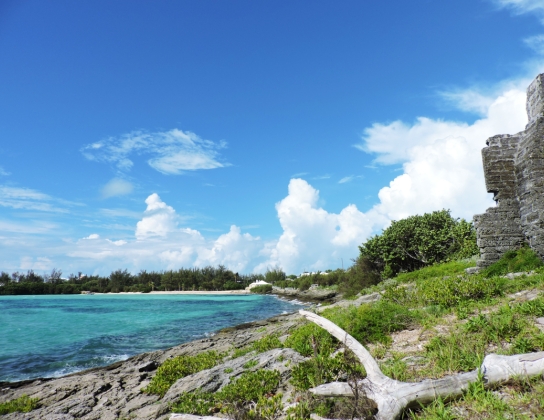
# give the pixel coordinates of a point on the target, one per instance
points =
(454, 321)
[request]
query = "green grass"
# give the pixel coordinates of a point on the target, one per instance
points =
(524, 259)
(23, 404)
(451, 268)
(373, 323)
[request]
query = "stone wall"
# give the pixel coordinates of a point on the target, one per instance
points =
(514, 173)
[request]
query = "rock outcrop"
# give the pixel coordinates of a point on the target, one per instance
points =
(514, 173)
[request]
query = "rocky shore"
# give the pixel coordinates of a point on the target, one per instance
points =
(115, 391)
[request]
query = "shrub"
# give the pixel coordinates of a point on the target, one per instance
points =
(311, 339)
(450, 291)
(266, 343)
(173, 369)
(419, 241)
(263, 289)
(250, 386)
(372, 323)
(523, 259)
(23, 404)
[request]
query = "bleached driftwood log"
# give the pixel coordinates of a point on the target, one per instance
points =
(393, 397)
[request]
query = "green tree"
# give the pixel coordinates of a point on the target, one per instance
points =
(418, 241)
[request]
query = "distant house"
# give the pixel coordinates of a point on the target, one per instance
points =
(322, 273)
(257, 283)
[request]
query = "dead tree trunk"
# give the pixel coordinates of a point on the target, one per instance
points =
(393, 397)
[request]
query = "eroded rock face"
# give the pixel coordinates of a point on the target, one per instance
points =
(514, 173)
(114, 392)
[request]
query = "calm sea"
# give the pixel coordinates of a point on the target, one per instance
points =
(49, 336)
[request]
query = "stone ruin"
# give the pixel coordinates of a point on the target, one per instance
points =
(514, 173)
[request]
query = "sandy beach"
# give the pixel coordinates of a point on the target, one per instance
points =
(221, 292)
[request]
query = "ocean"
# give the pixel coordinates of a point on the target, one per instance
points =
(54, 335)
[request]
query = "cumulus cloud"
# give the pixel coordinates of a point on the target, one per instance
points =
(441, 160)
(313, 238)
(170, 152)
(116, 187)
(159, 242)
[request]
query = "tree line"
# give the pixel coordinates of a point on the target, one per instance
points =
(185, 279)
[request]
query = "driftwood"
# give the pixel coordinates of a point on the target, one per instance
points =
(392, 397)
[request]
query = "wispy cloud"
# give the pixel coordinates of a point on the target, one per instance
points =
(170, 152)
(3, 172)
(28, 199)
(523, 6)
(326, 176)
(349, 178)
(116, 187)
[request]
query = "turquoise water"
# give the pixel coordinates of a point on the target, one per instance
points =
(52, 335)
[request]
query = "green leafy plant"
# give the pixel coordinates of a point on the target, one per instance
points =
(262, 289)
(310, 339)
(233, 397)
(373, 323)
(23, 404)
(419, 241)
(266, 343)
(173, 369)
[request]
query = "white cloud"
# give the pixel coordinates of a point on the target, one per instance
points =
(349, 178)
(28, 199)
(313, 238)
(3, 172)
(159, 243)
(523, 6)
(159, 219)
(39, 263)
(171, 152)
(441, 159)
(115, 187)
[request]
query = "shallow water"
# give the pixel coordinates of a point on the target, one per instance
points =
(52, 335)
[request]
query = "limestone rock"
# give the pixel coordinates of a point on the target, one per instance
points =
(514, 173)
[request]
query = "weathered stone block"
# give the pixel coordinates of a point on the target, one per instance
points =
(514, 173)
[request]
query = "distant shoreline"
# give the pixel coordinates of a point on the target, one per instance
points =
(179, 292)
(221, 292)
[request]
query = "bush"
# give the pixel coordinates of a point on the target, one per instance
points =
(173, 369)
(263, 289)
(23, 404)
(450, 291)
(250, 386)
(419, 241)
(311, 339)
(372, 323)
(361, 275)
(523, 259)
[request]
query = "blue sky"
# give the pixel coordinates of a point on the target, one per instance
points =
(168, 134)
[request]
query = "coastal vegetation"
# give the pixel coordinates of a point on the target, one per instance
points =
(23, 404)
